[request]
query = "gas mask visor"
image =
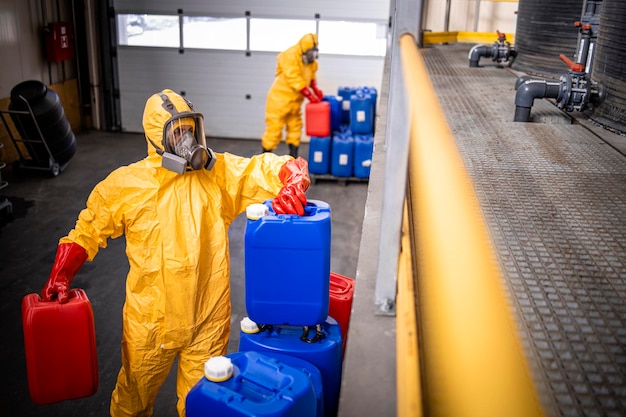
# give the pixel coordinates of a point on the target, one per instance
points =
(185, 143)
(309, 56)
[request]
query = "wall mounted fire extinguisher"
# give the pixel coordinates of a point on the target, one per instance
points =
(59, 42)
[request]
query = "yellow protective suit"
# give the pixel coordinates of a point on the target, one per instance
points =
(284, 100)
(177, 289)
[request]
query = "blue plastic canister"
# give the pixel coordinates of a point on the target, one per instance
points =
(363, 149)
(335, 111)
(345, 93)
(287, 264)
(252, 384)
(374, 94)
(342, 155)
(325, 353)
(361, 113)
(319, 155)
(310, 370)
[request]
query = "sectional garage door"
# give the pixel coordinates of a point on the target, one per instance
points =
(230, 86)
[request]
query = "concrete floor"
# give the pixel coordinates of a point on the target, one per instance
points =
(45, 208)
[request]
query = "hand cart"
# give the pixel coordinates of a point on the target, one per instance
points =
(37, 160)
(4, 202)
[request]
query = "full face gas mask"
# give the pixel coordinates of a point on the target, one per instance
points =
(184, 142)
(309, 56)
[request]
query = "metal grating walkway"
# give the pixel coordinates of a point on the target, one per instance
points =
(553, 194)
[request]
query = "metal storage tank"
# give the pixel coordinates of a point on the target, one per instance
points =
(609, 67)
(546, 29)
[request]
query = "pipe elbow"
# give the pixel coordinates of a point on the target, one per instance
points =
(528, 91)
(476, 52)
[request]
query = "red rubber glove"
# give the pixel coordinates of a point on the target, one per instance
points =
(316, 90)
(306, 92)
(70, 257)
(295, 176)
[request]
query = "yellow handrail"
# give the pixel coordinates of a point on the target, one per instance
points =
(473, 363)
(409, 392)
(432, 38)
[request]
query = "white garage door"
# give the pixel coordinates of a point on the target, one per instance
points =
(228, 56)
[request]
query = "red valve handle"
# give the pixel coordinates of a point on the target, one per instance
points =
(572, 65)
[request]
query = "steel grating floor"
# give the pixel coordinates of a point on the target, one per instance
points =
(553, 193)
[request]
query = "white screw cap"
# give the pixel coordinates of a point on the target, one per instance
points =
(256, 211)
(218, 369)
(248, 326)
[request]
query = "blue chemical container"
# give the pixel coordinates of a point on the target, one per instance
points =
(287, 265)
(361, 113)
(374, 94)
(325, 353)
(342, 155)
(310, 370)
(345, 93)
(363, 150)
(257, 386)
(319, 155)
(335, 111)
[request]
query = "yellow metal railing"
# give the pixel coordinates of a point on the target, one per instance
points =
(471, 359)
(432, 38)
(408, 370)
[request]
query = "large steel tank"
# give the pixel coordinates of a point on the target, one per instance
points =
(546, 29)
(609, 67)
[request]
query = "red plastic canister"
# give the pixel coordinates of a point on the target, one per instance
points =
(340, 307)
(318, 119)
(60, 347)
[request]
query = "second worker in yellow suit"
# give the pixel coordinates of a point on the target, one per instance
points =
(174, 208)
(296, 70)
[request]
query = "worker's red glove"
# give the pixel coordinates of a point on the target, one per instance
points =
(70, 257)
(306, 92)
(295, 176)
(316, 90)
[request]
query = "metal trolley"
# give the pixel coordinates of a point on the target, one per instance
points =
(4, 202)
(37, 161)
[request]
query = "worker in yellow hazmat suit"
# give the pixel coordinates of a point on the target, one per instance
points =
(175, 207)
(295, 79)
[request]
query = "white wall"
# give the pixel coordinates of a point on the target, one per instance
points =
(21, 49)
(493, 15)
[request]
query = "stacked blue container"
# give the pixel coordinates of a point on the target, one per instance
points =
(342, 152)
(363, 151)
(319, 155)
(276, 245)
(322, 348)
(345, 93)
(335, 111)
(361, 113)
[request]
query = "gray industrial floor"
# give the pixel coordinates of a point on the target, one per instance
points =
(45, 208)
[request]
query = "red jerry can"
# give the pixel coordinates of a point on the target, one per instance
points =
(60, 347)
(318, 119)
(340, 307)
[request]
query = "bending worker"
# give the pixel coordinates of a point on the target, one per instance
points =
(295, 79)
(175, 207)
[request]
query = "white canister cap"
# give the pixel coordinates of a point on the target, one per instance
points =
(218, 368)
(248, 326)
(256, 211)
